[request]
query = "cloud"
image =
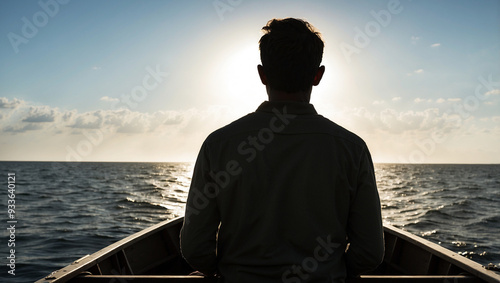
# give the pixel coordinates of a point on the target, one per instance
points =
(125, 120)
(167, 135)
(88, 120)
(109, 99)
(36, 132)
(40, 114)
(435, 45)
(27, 118)
(419, 71)
(402, 125)
(493, 92)
(6, 104)
(22, 128)
(171, 118)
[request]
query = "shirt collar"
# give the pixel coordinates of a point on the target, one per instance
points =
(292, 107)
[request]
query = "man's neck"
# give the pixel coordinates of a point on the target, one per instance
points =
(301, 96)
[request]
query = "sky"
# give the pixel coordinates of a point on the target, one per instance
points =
(128, 80)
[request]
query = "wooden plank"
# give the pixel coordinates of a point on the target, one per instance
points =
(416, 278)
(144, 278)
(147, 253)
(201, 279)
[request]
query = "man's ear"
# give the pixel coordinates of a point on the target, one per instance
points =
(319, 75)
(262, 75)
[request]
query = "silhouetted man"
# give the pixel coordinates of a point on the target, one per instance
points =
(279, 194)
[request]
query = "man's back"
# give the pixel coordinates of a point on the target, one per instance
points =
(287, 188)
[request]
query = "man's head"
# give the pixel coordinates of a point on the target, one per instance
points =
(291, 51)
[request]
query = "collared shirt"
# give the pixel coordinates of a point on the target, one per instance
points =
(277, 196)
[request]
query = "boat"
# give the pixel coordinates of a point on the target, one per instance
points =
(153, 255)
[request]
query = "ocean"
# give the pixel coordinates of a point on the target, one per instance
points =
(64, 211)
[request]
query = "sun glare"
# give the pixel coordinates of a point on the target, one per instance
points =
(237, 82)
(242, 83)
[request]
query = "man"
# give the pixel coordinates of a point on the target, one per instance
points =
(280, 194)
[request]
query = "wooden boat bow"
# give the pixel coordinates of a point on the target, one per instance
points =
(153, 255)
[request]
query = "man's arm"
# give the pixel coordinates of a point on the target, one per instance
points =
(201, 221)
(365, 230)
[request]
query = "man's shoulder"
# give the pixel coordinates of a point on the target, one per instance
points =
(255, 121)
(329, 127)
(238, 126)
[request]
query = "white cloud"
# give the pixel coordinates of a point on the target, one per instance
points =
(397, 98)
(440, 100)
(109, 99)
(22, 128)
(418, 100)
(399, 123)
(5, 103)
(127, 135)
(493, 92)
(435, 45)
(418, 72)
(43, 132)
(420, 136)
(88, 120)
(40, 114)
(69, 121)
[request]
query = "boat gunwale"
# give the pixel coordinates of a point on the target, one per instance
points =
(82, 264)
(454, 258)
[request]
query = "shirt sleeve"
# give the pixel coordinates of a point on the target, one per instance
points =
(365, 230)
(201, 221)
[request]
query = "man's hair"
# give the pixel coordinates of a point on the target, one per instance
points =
(291, 51)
